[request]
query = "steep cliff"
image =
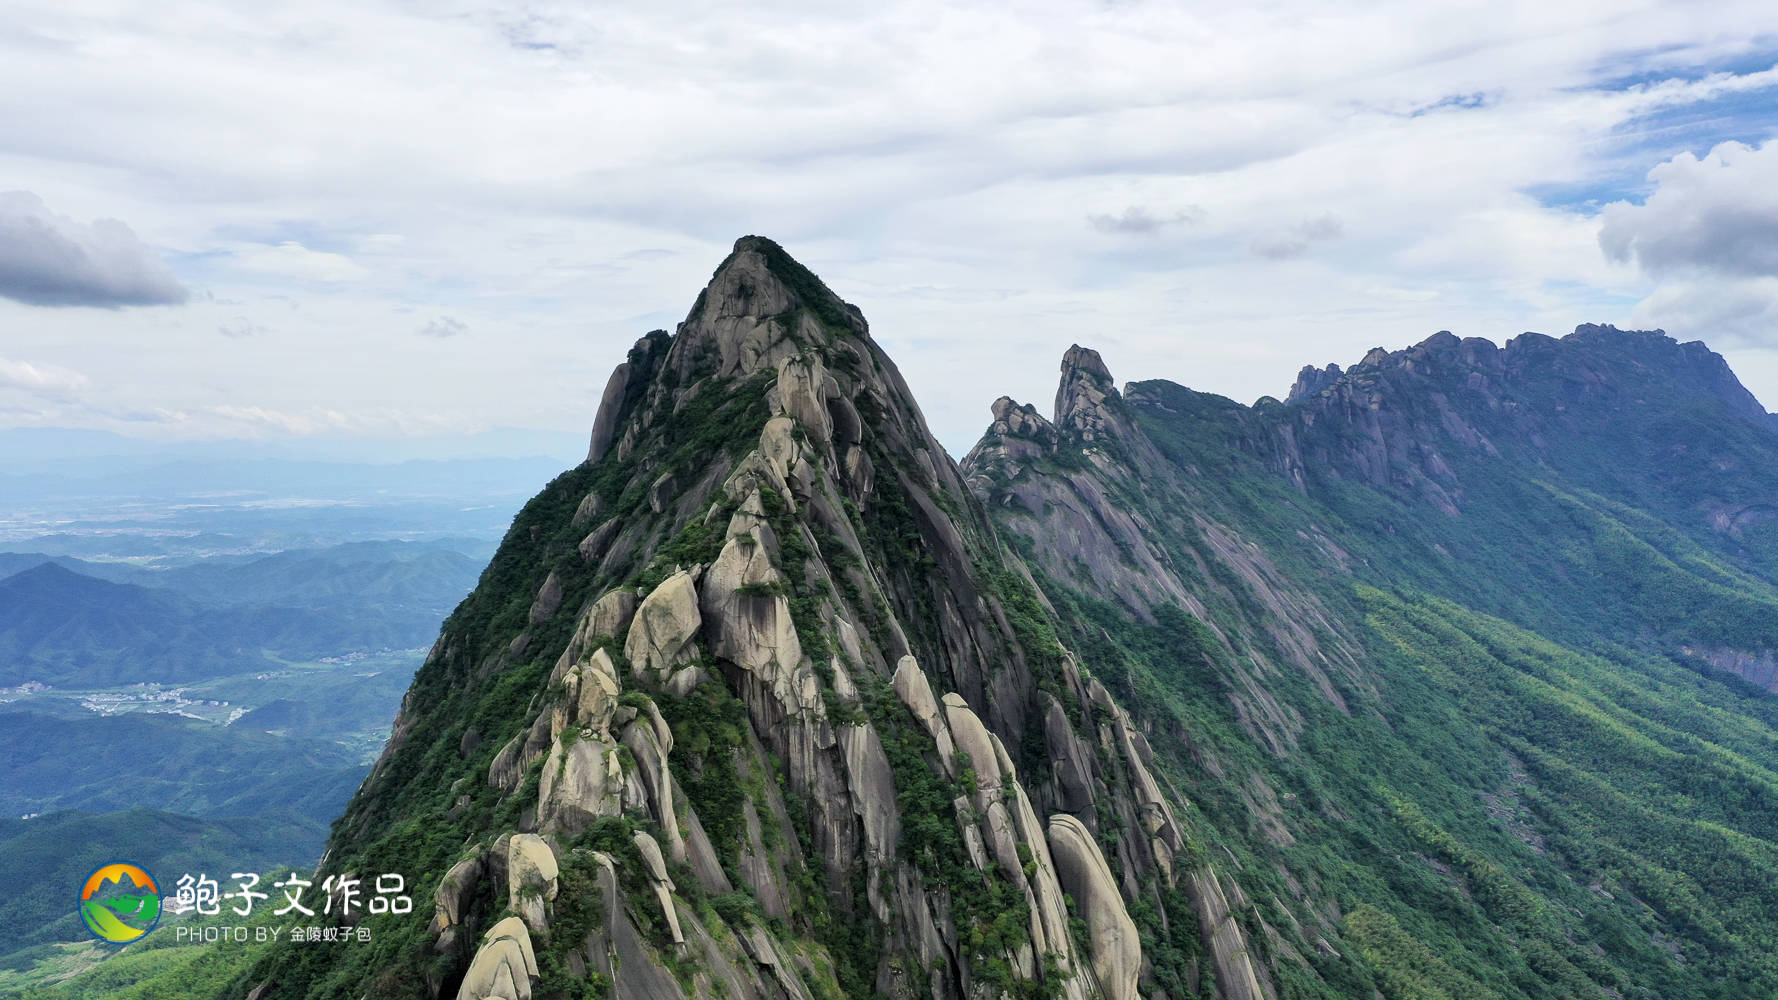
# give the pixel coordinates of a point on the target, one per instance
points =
(755, 704)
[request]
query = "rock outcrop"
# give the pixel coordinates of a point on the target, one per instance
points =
(505, 967)
(448, 910)
(531, 879)
(1081, 867)
(1087, 402)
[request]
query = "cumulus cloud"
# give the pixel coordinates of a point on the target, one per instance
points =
(1708, 235)
(48, 259)
(1140, 221)
(1715, 215)
(444, 327)
(1296, 241)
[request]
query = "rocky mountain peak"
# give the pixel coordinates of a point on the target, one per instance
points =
(1087, 400)
(1597, 365)
(1311, 381)
(760, 306)
(764, 647)
(760, 310)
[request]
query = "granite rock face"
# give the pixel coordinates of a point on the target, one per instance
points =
(1116, 949)
(1087, 401)
(770, 661)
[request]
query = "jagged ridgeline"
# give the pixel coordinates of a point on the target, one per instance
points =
(1464, 656)
(755, 704)
(1450, 677)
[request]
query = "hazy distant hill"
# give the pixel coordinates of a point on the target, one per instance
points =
(61, 628)
(168, 762)
(70, 629)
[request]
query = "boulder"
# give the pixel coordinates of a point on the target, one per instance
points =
(778, 445)
(1087, 400)
(447, 899)
(750, 518)
(974, 740)
(1070, 760)
(748, 619)
(747, 622)
(665, 624)
(754, 474)
(662, 492)
(507, 770)
(1049, 906)
(651, 741)
(871, 782)
(504, 966)
(1222, 935)
(590, 506)
(610, 615)
(738, 321)
(596, 691)
(801, 393)
(685, 680)
(607, 618)
(912, 688)
(598, 540)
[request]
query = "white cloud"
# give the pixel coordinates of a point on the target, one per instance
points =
(48, 259)
(239, 328)
(1708, 234)
(1718, 215)
(291, 259)
(40, 380)
(1296, 241)
(1033, 176)
(1727, 312)
(1141, 221)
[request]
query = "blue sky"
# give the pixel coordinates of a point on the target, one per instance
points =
(406, 220)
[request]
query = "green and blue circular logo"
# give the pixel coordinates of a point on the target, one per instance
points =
(120, 902)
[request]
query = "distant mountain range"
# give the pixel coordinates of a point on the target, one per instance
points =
(65, 622)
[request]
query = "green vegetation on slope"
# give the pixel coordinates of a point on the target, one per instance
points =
(1500, 771)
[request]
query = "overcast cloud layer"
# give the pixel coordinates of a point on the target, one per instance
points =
(401, 219)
